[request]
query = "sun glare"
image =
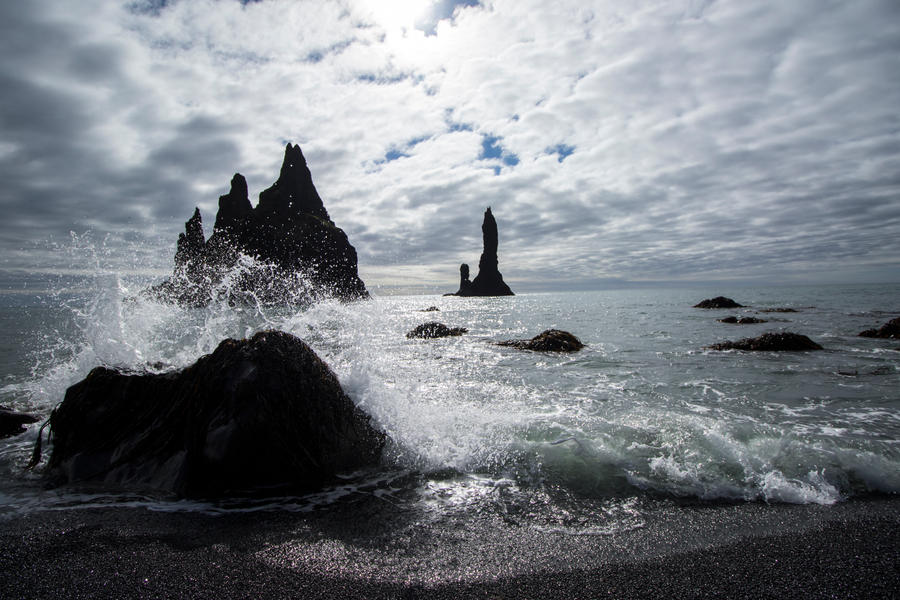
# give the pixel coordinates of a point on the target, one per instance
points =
(397, 14)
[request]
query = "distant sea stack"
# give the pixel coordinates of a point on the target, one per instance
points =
(489, 281)
(300, 254)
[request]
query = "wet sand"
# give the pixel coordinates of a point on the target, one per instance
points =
(372, 549)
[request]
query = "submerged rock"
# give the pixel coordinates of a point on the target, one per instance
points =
(771, 342)
(13, 423)
(551, 340)
(718, 302)
(298, 253)
(779, 310)
(430, 309)
(435, 330)
(742, 320)
(257, 416)
(489, 281)
(891, 329)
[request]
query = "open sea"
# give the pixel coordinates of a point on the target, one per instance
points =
(585, 443)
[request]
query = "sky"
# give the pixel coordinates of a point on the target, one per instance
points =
(639, 142)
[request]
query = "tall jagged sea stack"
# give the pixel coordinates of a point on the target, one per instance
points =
(298, 253)
(489, 281)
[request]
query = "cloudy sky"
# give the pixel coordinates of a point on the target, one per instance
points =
(640, 141)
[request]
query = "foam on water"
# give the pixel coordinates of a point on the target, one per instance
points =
(642, 408)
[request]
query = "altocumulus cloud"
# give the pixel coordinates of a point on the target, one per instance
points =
(648, 140)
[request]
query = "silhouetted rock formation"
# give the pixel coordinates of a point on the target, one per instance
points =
(891, 329)
(718, 302)
(435, 330)
(258, 416)
(551, 340)
(771, 342)
(489, 281)
(13, 423)
(300, 253)
(742, 320)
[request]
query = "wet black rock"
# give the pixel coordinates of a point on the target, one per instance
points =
(300, 254)
(13, 423)
(779, 310)
(262, 415)
(435, 330)
(551, 340)
(771, 342)
(489, 281)
(742, 320)
(891, 330)
(718, 302)
(430, 309)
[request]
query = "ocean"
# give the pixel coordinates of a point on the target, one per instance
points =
(588, 443)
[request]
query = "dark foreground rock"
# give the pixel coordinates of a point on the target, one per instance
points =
(771, 342)
(742, 320)
(435, 330)
(13, 423)
(718, 302)
(551, 340)
(257, 416)
(489, 281)
(298, 254)
(890, 330)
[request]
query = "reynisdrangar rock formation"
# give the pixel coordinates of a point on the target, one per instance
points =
(489, 281)
(299, 253)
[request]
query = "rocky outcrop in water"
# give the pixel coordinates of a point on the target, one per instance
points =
(263, 415)
(742, 321)
(771, 342)
(435, 330)
(891, 330)
(551, 340)
(718, 302)
(13, 423)
(298, 253)
(489, 281)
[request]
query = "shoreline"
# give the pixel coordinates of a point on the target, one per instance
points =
(371, 549)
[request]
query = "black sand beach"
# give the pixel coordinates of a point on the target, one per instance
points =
(373, 549)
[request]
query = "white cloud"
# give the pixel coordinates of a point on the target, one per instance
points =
(698, 139)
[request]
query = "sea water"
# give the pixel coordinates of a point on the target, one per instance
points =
(572, 442)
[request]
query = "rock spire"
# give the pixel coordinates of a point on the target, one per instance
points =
(489, 281)
(300, 253)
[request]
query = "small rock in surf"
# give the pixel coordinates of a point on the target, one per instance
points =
(890, 330)
(551, 340)
(13, 423)
(771, 342)
(742, 320)
(435, 330)
(718, 302)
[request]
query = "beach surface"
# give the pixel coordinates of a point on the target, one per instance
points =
(375, 549)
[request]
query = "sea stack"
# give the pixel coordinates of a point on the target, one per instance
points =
(489, 281)
(299, 254)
